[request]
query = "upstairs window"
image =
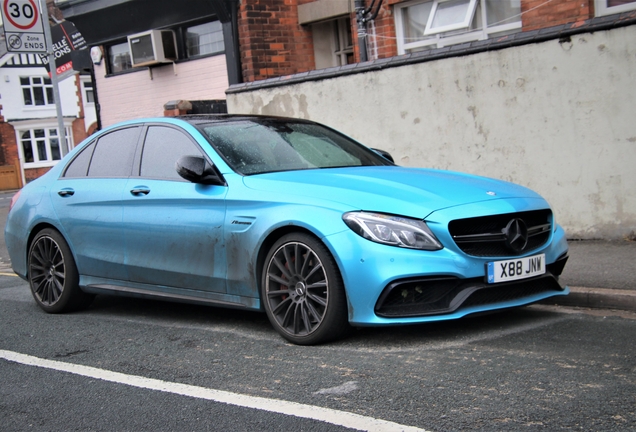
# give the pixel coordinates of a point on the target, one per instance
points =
(193, 42)
(204, 39)
(37, 91)
(88, 91)
(422, 25)
(344, 42)
(333, 43)
(450, 15)
(608, 7)
(118, 57)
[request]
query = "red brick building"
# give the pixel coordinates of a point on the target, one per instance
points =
(285, 37)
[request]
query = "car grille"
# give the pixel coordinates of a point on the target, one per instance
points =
(443, 295)
(505, 235)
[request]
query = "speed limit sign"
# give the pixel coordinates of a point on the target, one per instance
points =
(23, 27)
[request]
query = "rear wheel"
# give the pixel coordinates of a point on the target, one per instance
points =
(53, 276)
(303, 292)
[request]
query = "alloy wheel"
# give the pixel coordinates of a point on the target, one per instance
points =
(297, 289)
(47, 271)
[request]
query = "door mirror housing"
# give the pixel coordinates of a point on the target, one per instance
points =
(385, 154)
(197, 169)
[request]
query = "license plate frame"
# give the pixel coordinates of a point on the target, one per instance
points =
(515, 269)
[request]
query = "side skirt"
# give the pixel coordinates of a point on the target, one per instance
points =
(130, 289)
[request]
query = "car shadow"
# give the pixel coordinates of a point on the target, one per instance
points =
(440, 332)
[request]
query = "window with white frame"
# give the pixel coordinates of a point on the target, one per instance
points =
(41, 146)
(37, 91)
(88, 92)
(422, 25)
(608, 7)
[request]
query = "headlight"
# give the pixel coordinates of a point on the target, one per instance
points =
(392, 230)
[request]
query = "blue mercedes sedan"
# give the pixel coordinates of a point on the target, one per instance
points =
(281, 215)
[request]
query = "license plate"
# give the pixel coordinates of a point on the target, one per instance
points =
(515, 269)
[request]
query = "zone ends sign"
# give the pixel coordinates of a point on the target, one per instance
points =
(23, 27)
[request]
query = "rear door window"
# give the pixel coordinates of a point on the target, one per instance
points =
(79, 165)
(114, 153)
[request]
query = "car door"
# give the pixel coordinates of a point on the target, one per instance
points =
(173, 228)
(87, 199)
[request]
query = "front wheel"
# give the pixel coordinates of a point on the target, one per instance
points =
(53, 276)
(303, 292)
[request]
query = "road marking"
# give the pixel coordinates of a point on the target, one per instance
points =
(339, 418)
(9, 274)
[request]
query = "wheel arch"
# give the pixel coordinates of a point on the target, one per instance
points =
(272, 238)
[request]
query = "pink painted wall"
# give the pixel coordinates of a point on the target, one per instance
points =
(140, 94)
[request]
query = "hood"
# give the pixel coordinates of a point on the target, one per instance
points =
(407, 191)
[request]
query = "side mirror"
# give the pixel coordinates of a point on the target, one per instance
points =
(197, 169)
(384, 154)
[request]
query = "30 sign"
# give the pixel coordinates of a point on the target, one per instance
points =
(23, 27)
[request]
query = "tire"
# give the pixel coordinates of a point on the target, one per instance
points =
(53, 275)
(303, 292)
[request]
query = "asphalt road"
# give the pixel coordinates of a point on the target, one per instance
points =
(537, 368)
(129, 364)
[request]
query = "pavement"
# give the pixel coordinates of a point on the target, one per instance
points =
(600, 273)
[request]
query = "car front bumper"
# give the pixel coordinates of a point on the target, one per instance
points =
(395, 286)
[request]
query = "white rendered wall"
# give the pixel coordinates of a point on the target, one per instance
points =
(140, 94)
(557, 117)
(12, 100)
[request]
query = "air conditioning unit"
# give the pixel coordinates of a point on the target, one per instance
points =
(152, 47)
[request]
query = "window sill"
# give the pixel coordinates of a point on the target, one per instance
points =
(126, 72)
(39, 107)
(199, 57)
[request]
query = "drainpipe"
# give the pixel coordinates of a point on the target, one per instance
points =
(362, 18)
(362, 29)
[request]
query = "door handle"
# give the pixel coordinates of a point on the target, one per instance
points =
(66, 192)
(140, 190)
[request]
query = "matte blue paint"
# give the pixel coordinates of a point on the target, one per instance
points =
(202, 242)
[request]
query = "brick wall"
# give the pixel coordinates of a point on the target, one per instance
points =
(385, 29)
(31, 174)
(79, 130)
(272, 43)
(538, 14)
(79, 126)
(8, 145)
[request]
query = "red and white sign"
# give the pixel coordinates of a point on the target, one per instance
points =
(23, 28)
(21, 15)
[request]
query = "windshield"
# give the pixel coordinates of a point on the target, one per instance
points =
(267, 145)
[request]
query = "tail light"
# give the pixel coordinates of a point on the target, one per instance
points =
(14, 200)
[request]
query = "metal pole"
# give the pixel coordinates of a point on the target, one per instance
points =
(44, 10)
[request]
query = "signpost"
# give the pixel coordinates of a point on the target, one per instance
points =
(27, 30)
(66, 39)
(23, 26)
